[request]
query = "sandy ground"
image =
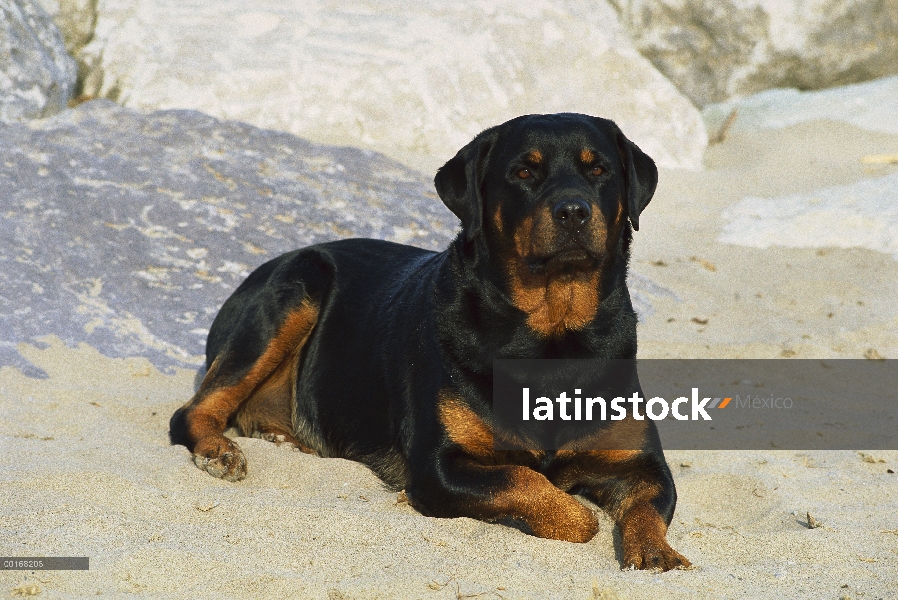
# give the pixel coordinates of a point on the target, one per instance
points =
(86, 468)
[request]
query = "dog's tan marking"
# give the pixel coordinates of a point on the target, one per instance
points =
(617, 226)
(523, 235)
(214, 405)
(587, 156)
(268, 412)
(464, 427)
(599, 456)
(629, 503)
(527, 495)
(557, 304)
(644, 533)
(497, 221)
(607, 451)
(548, 511)
(619, 441)
(639, 493)
(535, 156)
(554, 303)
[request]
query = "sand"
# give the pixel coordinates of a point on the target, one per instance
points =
(86, 468)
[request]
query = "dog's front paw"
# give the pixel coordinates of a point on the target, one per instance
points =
(656, 555)
(566, 520)
(220, 457)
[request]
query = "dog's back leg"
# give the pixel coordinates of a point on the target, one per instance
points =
(250, 379)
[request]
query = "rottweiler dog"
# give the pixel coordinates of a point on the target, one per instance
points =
(383, 353)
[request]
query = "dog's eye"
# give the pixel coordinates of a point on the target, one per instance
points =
(596, 171)
(523, 174)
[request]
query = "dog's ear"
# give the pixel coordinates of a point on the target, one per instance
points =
(641, 174)
(458, 182)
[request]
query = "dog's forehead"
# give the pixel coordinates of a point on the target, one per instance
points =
(545, 135)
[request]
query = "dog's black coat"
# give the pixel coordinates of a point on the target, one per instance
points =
(382, 353)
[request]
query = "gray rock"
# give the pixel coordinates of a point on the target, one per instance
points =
(37, 77)
(128, 231)
(714, 50)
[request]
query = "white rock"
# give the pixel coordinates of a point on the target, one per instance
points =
(404, 78)
(858, 215)
(36, 75)
(872, 106)
(714, 50)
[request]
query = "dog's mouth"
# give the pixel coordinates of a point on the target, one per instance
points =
(569, 258)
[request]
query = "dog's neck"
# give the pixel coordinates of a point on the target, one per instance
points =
(564, 314)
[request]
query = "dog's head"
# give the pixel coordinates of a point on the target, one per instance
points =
(547, 197)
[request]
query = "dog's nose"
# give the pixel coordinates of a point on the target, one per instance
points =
(571, 214)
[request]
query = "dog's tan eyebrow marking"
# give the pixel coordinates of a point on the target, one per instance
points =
(535, 156)
(587, 156)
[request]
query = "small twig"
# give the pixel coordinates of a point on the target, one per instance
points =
(437, 586)
(721, 134)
